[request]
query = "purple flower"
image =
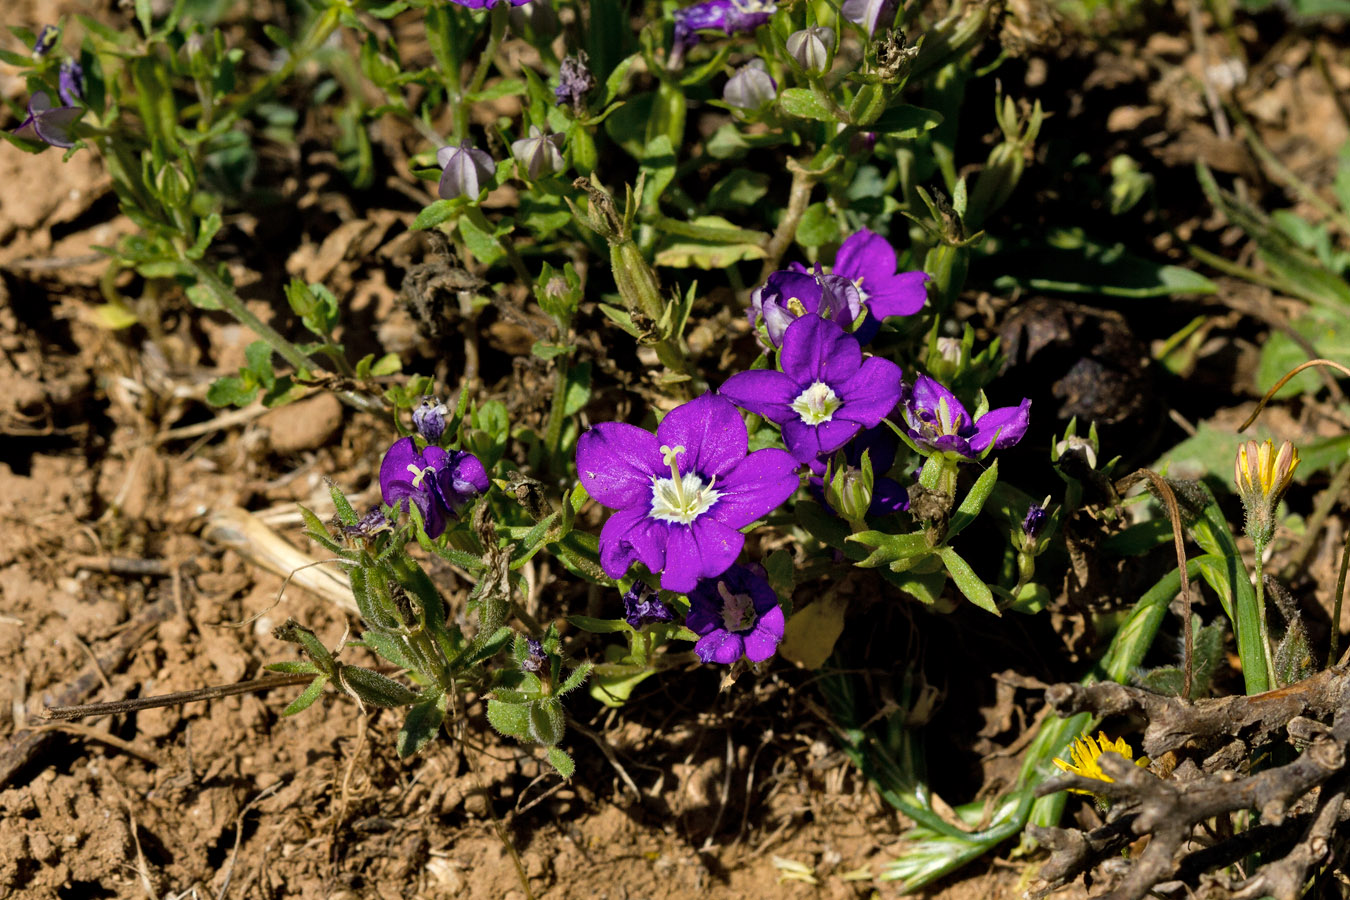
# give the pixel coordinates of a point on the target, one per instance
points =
(870, 13)
(641, 605)
(735, 615)
(936, 421)
(868, 260)
(574, 81)
(539, 153)
(485, 4)
(429, 419)
(790, 293)
(440, 483)
(464, 170)
(726, 16)
(47, 123)
(682, 494)
(70, 82)
(751, 87)
(534, 655)
(826, 392)
(46, 40)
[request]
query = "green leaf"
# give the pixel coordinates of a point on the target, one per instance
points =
(293, 667)
(575, 679)
(906, 122)
(559, 759)
(599, 626)
(818, 226)
(804, 104)
(970, 584)
(421, 725)
(741, 189)
(511, 719)
(307, 698)
(375, 689)
(974, 501)
(231, 391)
(436, 213)
(1069, 262)
(389, 648)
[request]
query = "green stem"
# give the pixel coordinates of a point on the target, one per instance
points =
(322, 30)
(1332, 654)
(553, 436)
(1261, 612)
(497, 26)
(230, 302)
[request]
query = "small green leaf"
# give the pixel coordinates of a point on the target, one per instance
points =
(974, 501)
(389, 648)
(307, 698)
(434, 214)
(546, 721)
(561, 761)
(421, 725)
(375, 689)
(511, 719)
(975, 590)
(804, 104)
(293, 667)
(599, 626)
(907, 122)
(818, 226)
(231, 391)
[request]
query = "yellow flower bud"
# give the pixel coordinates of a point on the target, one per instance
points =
(1262, 476)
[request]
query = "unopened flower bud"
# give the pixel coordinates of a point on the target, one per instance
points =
(752, 87)
(848, 491)
(1034, 521)
(574, 82)
(642, 606)
(812, 48)
(1074, 444)
(465, 170)
(1262, 476)
(70, 82)
(429, 419)
(369, 525)
(534, 656)
(539, 153)
(46, 40)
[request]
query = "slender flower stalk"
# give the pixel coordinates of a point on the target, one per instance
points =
(1262, 477)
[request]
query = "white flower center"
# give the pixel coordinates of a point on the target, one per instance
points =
(817, 403)
(738, 610)
(680, 498)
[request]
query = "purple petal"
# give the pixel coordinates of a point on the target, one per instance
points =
(466, 471)
(1003, 427)
(758, 485)
(763, 392)
(928, 394)
(868, 256)
(704, 615)
(815, 349)
(720, 646)
(628, 536)
(888, 496)
(711, 432)
(872, 393)
(616, 462)
(395, 467)
(899, 295)
(702, 550)
(806, 442)
(763, 639)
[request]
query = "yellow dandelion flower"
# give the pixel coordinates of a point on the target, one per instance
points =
(1085, 753)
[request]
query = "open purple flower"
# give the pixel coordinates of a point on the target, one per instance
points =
(681, 495)
(826, 392)
(936, 421)
(868, 260)
(485, 4)
(440, 483)
(49, 124)
(735, 615)
(726, 16)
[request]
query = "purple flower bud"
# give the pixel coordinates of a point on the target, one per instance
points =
(429, 418)
(1035, 521)
(465, 170)
(726, 16)
(641, 606)
(539, 153)
(574, 81)
(46, 40)
(752, 87)
(812, 48)
(70, 83)
(51, 125)
(534, 659)
(371, 524)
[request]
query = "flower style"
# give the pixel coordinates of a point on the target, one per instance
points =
(539, 153)
(826, 392)
(440, 483)
(1086, 753)
(937, 422)
(726, 16)
(51, 125)
(464, 170)
(641, 606)
(681, 495)
(736, 614)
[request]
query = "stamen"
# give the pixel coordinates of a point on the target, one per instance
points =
(796, 307)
